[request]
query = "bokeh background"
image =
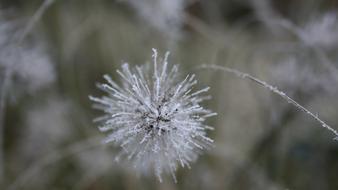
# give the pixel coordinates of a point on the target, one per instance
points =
(53, 52)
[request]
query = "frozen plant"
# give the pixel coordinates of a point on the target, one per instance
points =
(274, 90)
(156, 119)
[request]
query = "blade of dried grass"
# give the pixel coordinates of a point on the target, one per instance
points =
(272, 89)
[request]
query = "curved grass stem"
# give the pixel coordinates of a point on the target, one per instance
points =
(272, 89)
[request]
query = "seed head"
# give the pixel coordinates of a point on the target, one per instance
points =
(156, 119)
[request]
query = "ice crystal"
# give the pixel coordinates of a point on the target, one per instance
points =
(156, 119)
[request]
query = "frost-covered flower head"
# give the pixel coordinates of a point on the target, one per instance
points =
(156, 119)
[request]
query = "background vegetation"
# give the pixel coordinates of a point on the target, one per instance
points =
(261, 142)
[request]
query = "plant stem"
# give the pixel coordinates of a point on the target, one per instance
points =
(274, 90)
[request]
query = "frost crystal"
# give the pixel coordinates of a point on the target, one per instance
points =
(157, 120)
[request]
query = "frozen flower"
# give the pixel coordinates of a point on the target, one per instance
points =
(155, 119)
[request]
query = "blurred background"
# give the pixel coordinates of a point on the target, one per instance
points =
(53, 52)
